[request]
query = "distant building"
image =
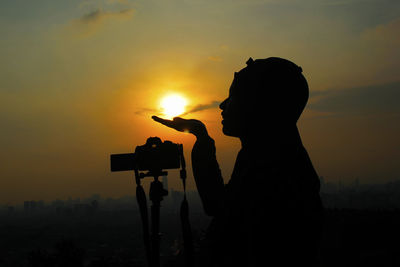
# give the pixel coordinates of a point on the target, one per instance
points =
(95, 205)
(322, 181)
(177, 198)
(10, 210)
(165, 182)
(30, 206)
(40, 204)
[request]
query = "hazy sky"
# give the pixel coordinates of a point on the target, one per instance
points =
(80, 79)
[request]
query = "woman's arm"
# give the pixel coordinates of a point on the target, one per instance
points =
(207, 174)
(206, 171)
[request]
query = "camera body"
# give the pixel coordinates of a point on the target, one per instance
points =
(154, 155)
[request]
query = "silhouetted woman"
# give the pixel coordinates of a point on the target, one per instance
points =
(270, 212)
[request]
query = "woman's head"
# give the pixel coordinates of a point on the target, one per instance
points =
(270, 91)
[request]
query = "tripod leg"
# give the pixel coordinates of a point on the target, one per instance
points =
(155, 232)
(141, 199)
(157, 192)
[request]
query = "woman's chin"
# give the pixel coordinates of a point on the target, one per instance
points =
(229, 131)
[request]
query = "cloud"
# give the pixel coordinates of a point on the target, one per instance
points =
(125, 2)
(98, 15)
(339, 2)
(215, 58)
(194, 109)
(384, 33)
(201, 107)
(383, 98)
(147, 111)
(90, 22)
(224, 47)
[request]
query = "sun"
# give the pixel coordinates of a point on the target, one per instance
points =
(173, 105)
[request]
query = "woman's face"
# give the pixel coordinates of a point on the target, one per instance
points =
(233, 112)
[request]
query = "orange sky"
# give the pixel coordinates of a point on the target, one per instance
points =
(79, 80)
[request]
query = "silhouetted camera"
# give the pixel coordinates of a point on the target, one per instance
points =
(155, 155)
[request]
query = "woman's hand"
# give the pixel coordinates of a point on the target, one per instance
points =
(195, 127)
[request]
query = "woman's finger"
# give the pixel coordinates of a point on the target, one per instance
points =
(157, 119)
(169, 123)
(162, 121)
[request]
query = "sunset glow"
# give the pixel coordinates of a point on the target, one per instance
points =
(80, 80)
(173, 105)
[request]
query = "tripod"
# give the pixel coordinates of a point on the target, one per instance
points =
(157, 192)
